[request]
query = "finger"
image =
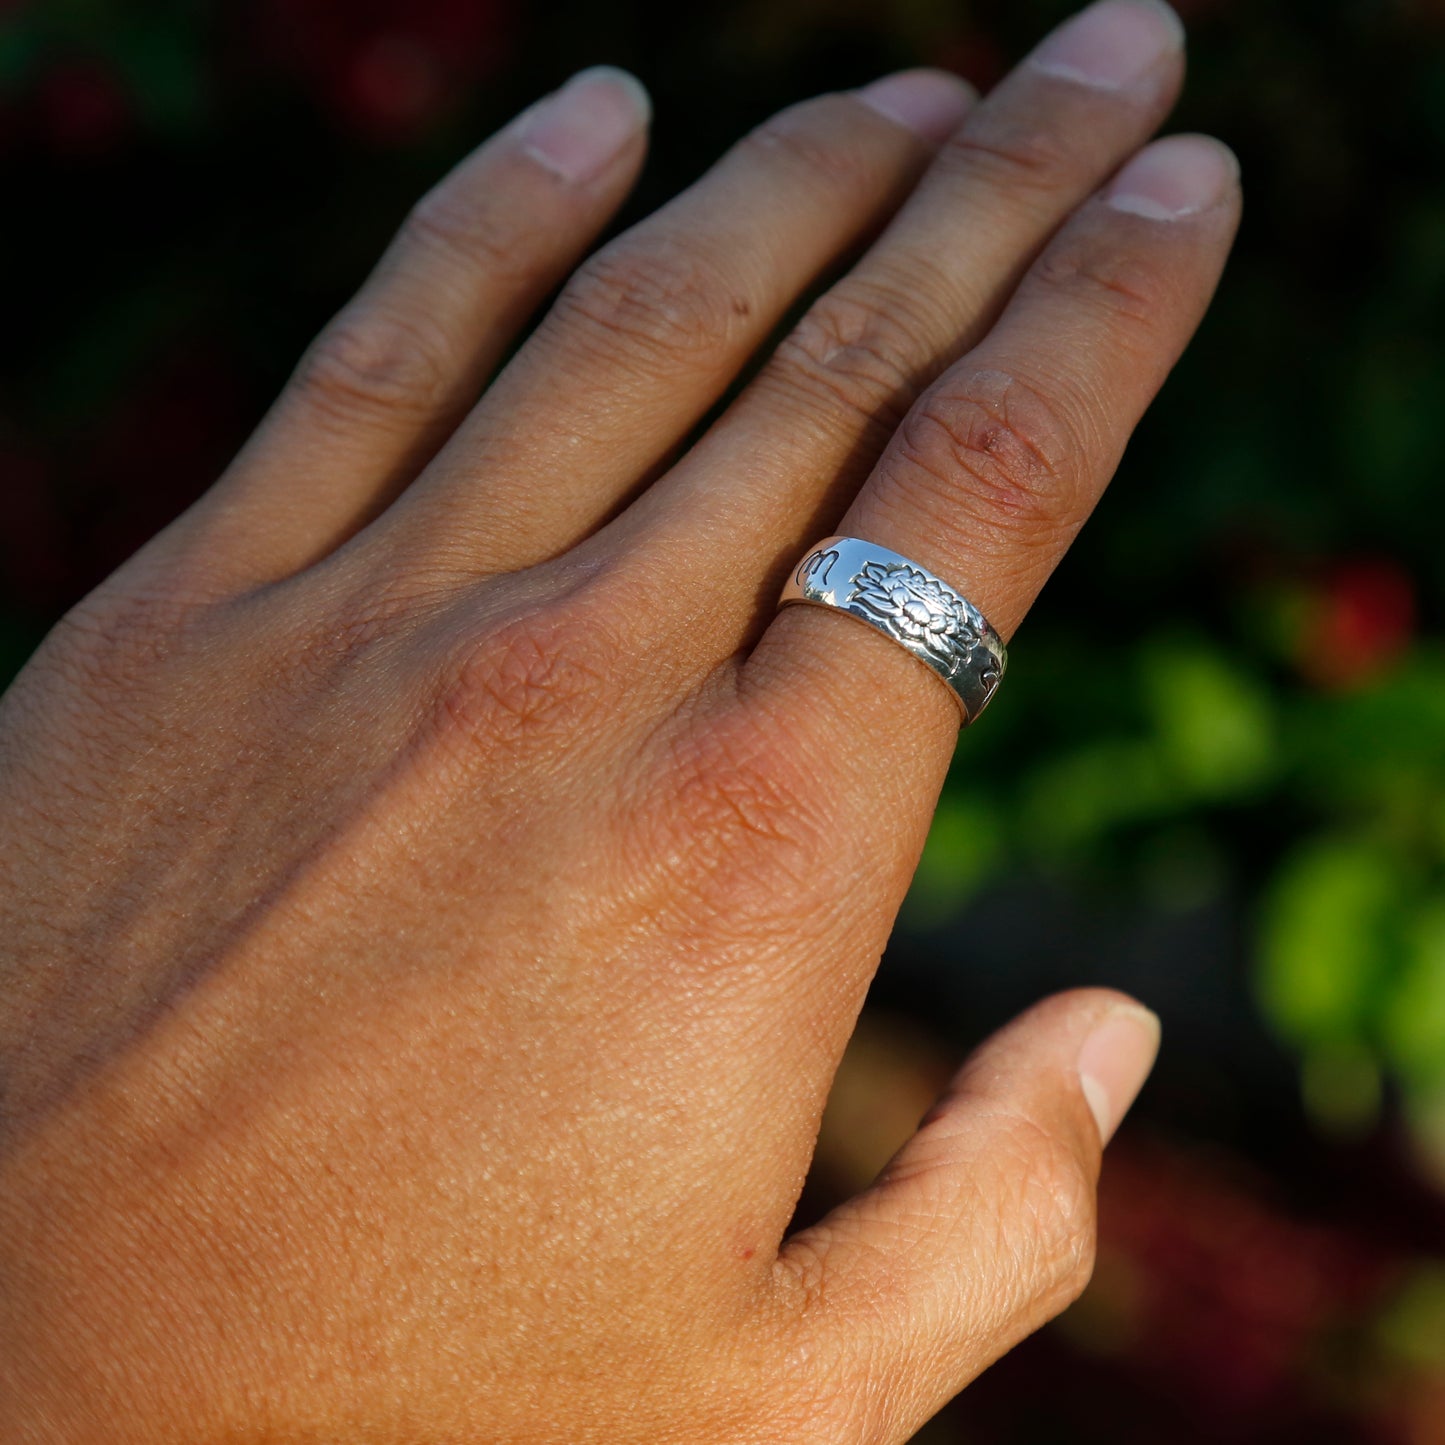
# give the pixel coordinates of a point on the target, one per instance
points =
(388, 378)
(999, 464)
(981, 1228)
(779, 468)
(652, 330)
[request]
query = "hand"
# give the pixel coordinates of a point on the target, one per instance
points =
(436, 889)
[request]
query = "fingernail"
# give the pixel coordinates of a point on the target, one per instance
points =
(1112, 44)
(1174, 178)
(578, 130)
(928, 102)
(1115, 1061)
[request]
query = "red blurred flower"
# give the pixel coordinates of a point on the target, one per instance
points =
(394, 83)
(388, 68)
(1229, 1299)
(1360, 622)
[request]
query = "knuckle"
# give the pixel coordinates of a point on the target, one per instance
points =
(992, 452)
(1011, 150)
(119, 636)
(1121, 284)
(730, 782)
(849, 349)
(733, 812)
(368, 360)
(535, 680)
(813, 139)
(659, 296)
(121, 664)
(451, 221)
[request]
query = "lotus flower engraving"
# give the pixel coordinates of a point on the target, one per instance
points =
(914, 605)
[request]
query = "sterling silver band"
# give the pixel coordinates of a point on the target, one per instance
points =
(906, 602)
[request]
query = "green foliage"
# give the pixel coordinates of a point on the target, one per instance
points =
(1413, 1017)
(1214, 722)
(965, 847)
(1191, 746)
(1324, 939)
(1411, 1328)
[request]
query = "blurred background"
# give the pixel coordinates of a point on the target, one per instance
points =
(1217, 775)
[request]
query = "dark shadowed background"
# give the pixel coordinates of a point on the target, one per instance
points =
(1217, 774)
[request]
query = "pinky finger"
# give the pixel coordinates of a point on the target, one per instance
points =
(981, 1229)
(391, 375)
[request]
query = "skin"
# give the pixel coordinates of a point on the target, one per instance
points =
(437, 891)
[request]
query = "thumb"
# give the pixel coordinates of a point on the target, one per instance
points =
(981, 1228)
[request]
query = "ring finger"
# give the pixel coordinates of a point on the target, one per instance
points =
(994, 471)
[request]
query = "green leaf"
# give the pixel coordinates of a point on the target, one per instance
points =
(1413, 1023)
(1380, 749)
(964, 847)
(1323, 944)
(1214, 722)
(1342, 1088)
(1102, 785)
(1411, 1331)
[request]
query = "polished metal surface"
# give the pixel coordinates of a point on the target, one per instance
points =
(907, 603)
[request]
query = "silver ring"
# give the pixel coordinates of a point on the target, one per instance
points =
(907, 603)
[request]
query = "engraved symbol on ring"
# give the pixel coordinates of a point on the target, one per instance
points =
(917, 607)
(811, 565)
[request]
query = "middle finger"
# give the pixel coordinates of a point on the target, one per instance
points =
(650, 332)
